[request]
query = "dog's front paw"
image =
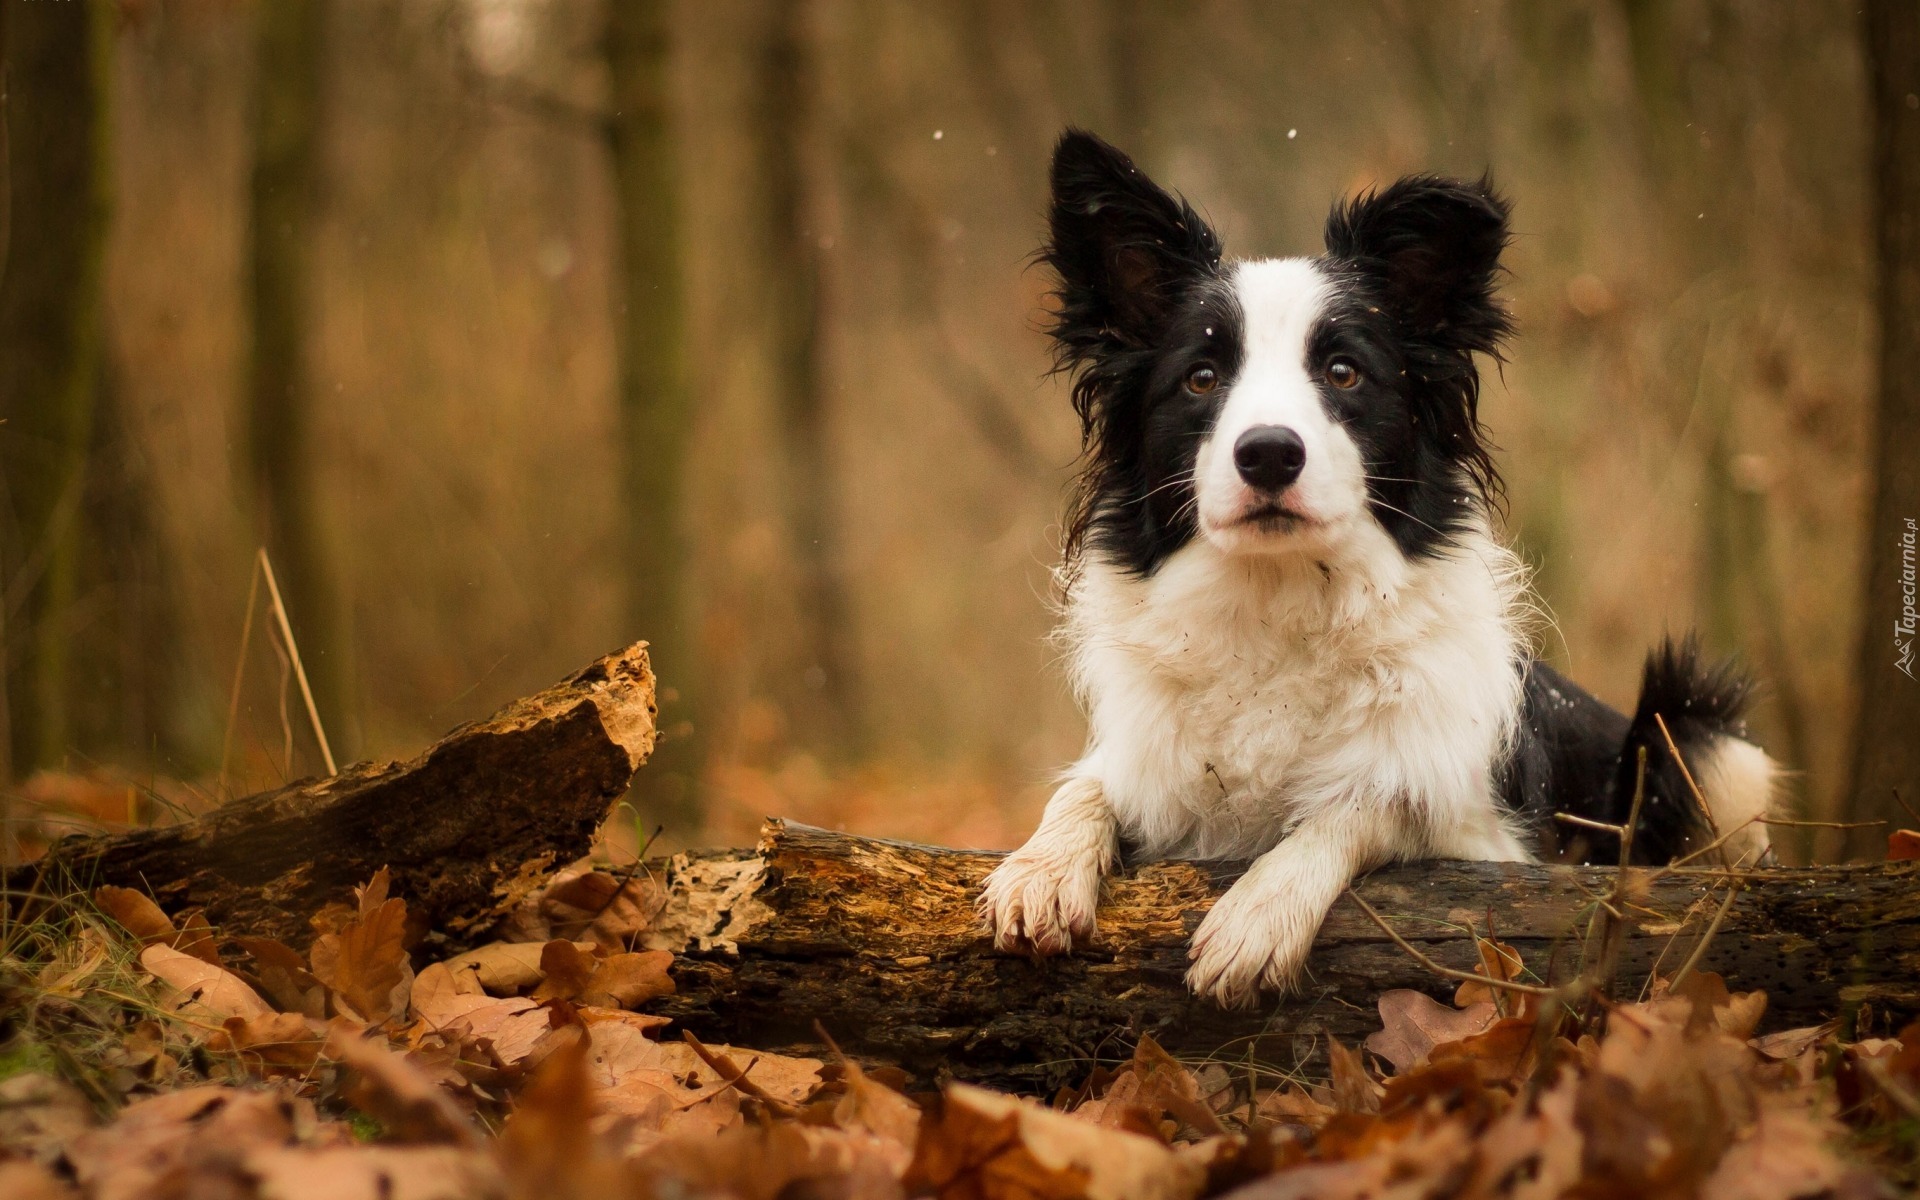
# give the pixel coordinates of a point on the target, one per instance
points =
(1040, 903)
(1244, 946)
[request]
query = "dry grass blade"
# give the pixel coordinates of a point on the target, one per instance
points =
(299, 670)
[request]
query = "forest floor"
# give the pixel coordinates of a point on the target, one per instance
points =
(144, 1057)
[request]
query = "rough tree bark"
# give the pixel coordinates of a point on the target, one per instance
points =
(877, 941)
(465, 828)
(1886, 739)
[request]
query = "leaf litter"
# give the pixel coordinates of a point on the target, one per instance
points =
(154, 1059)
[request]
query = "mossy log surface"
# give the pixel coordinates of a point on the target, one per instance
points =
(878, 942)
(466, 828)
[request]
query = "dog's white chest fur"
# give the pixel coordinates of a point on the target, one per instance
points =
(1232, 696)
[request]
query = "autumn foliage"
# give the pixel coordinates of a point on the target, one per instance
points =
(369, 1066)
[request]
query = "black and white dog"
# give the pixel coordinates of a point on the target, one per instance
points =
(1295, 632)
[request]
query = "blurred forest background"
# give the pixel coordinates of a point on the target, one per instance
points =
(519, 329)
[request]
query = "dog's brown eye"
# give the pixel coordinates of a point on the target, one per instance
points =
(1342, 374)
(1202, 380)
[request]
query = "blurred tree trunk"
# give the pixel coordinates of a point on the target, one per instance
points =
(287, 120)
(656, 416)
(1886, 740)
(58, 88)
(823, 706)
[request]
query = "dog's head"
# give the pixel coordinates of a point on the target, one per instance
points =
(1325, 406)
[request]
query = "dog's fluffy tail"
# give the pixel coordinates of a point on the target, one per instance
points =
(1702, 707)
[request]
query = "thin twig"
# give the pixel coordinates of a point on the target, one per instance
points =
(738, 1078)
(1709, 848)
(299, 671)
(1706, 937)
(1699, 797)
(1436, 968)
(239, 673)
(1818, 824)
(1584, 823)
(1905, 807)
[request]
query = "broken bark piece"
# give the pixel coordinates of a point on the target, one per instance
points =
(524, 788)
(878, 942)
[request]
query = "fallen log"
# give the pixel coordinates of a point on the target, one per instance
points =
(877, 941)
(466, 828)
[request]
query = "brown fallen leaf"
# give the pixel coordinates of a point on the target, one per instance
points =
(611, 913)
(987, 1145)
(1786, 1152)
(283, 975)
(1903, 845)
(566, 971)
(374, 1173)
(197, 938)
(1504, 1053)
(23, 1180)
(772, 1162)
(1354, 1091)
(1792, 1043)
(136, 913)
(1497, 961)
(627, 980)
(503, 968)
(1413, 1023)
(1292, 1105)
(200, 989)
(365, 964)
(185, 1143)
(401, 1095)
(273, 1043)
(548, 1147)
(1734, 1013)
(39, 1115)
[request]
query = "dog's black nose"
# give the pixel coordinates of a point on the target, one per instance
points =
(1269, 457)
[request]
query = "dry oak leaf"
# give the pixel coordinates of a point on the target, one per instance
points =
(503, 968)
(39, 1115)
(136, 913)
(772, 1162)
(596, 907)
(374, 1173)
(403, 1096)
(1152, 1086)
(566, 970)
(1292, 1105)
(1786, 1152)
(1497, 961)
(1503, 1053)
(1354, 1091)
(272, 1043)
(200, 989)
(549, 1146)
(1427, 1165)
(283, 974)
(1413, 1023)
(23, 1180)
(1903, 845)
(627, 980)
(1792, 1043)
(871, 1107)
(184, 1143)
(1734, 1013)
(986, 1146)
(365, 963)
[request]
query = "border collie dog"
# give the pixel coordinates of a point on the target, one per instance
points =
(1294, 630)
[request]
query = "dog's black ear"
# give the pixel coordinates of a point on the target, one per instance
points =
(1124, 247)
(1433, 245)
